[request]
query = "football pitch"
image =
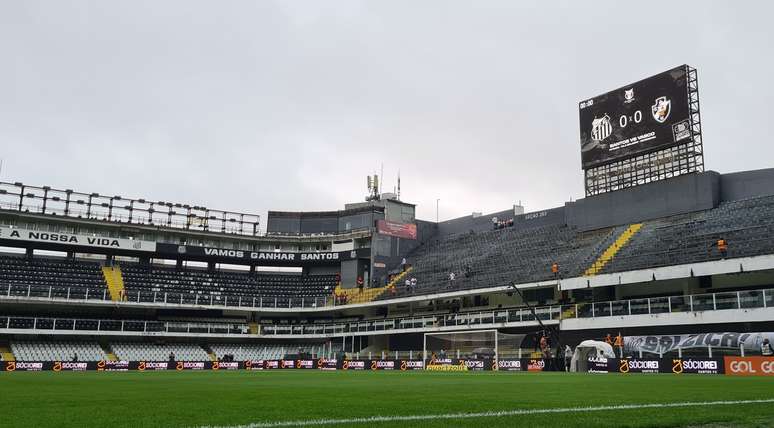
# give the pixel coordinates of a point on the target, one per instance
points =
(382, 399)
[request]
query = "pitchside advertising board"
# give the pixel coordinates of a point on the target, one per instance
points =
(731, 366)
(646, 116)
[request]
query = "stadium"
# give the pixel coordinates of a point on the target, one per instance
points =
(648, 302)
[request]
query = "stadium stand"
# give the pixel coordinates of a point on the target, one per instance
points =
(483, 259)
(57, 351)
(502, 256)
(243, 352)
(37, 275)
(223, 284)
(746, 224)
(506, 256)
(158, 352)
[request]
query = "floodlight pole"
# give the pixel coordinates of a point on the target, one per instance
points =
(531, 308)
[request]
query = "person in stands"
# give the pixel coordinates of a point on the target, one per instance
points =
(722, 245)
(555, 269)
(360, 283)
(408, 283)
(75, 357)
(452, 277)
(413, 282)
(403, 264)
(172, 357)
(766, 349)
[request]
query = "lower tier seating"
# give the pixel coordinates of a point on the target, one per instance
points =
(57, 351)
(243, 352)
(136, 351)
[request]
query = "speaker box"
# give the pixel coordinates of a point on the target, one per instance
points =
(705, 282)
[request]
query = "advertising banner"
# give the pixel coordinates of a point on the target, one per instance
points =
(150, 365)
(636, 365)
(268, 258)
(113, 366)
(406, 365)
(749, 366)
(379, 365)
(600, 365)
(253, 365)
(508, 365)
(355, 365)
(225, 365)
(671, 342)
(645, 116)
(536, 365)
(665, 365)
(326, 364)
(16, 234)
(697, 365)
(398, 230)
(24, 366)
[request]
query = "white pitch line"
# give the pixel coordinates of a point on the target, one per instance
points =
(493, 414)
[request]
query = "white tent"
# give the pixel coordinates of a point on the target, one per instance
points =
(589, 349)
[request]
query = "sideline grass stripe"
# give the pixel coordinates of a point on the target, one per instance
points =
(494, 414)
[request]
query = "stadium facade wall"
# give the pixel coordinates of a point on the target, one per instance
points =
(389, 250)
(746, 184)
(484, 222)
(684, 194)
(679, 195)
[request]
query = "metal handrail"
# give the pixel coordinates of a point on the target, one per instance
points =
(734, 300)
(81, 294)
(127, 326)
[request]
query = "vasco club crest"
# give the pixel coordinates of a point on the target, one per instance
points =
(601, 128)
(661, 109)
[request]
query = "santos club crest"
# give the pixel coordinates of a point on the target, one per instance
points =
(601, 128)
(661, 109)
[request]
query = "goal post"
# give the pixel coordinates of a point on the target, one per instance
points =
(471, 345)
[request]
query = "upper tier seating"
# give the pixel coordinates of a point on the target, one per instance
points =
(747, 225)
(502, 256)
(57, 351)
(506, 256)
(222, 284)
(37, 275)
(136, 351)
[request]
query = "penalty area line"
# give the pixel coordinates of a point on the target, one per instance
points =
(492, 414)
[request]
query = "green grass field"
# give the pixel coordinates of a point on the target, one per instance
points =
(196, 399)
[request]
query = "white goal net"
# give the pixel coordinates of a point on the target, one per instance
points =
(471, 345)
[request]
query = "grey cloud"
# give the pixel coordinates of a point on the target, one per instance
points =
(257, 105)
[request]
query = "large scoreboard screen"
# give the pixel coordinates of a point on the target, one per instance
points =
(645, 116)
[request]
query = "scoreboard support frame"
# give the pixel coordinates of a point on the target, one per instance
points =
(680, 159)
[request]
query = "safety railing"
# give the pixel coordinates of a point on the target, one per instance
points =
(748, 299)
(44, 324)
(81, 294)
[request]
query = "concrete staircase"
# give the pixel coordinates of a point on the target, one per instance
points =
(354, 295)
(6, 353)
(254, 328)
(115, 282)
(613, 249)
(108, 351)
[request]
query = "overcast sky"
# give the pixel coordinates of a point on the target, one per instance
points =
(288, 105)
